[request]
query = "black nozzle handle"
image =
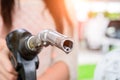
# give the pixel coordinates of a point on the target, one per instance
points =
(26, 60)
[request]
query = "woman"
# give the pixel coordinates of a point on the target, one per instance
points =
(34, 16)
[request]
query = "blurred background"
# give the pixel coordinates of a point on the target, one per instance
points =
(98, 32)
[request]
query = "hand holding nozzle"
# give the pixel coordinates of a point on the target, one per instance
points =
(25, 48)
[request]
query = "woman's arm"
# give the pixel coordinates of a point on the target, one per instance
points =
(58, 71)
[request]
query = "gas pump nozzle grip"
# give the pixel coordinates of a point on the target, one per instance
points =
(25, 48)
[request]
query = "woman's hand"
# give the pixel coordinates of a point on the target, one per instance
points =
(7, 71)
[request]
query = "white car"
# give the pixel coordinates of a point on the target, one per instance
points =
(112, 36)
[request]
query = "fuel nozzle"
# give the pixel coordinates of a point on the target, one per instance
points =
(29, 45)
(26, 46)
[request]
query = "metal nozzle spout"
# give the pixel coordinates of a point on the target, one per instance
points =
(67, 46)
(51, 38)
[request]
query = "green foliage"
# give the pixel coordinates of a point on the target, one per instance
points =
(112, 16)
(86, 72)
